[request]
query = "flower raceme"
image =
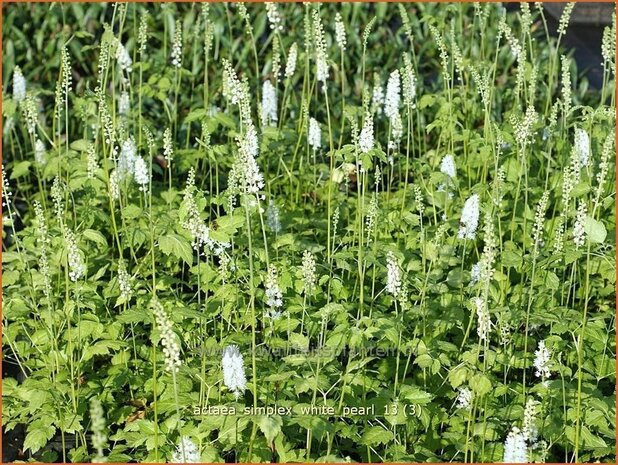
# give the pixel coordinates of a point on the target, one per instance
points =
(469, 221)
(171, 349)
(234, 370)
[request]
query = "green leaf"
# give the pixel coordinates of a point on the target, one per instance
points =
(196, 115)
(80, 145)
(595, 230)
(178, 246)
(480, 384)
(97, 237)
(376, 435)
(38, 437)
(131, 211)
(271, 427)
(20, 169)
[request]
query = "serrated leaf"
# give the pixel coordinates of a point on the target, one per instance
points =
(175, 245)
(376, 435)
(271, 427)
(38, 437)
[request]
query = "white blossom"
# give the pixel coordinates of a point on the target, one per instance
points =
(124, 281)
(582, 147)
(464, 398)
(542, 361)
(19, 85)
(97, 425)
(171, 349)
(168, 149)
(484, 324)
(124, 105)
(176, 55)
(315, 134)
(377, 97)
(393, 275)
(340, 37)
(447, 166)
(274, 298)
(142, 176)
(93, 164)
(234, 370)
(529, 430)
(290, 64)
(393, 97)
(114, 187)
(39, 152)
(186, 452)
(75, 259)
(515, 449)
(469, 218)
(272, 218)
(123, 58)
(126, 160)
(579, 229)
(269, 104)
(366, 137)
(308, 272)
(274, 17)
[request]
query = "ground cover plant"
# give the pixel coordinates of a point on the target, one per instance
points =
(304, 232)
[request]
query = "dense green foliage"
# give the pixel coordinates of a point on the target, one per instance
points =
(438, 337)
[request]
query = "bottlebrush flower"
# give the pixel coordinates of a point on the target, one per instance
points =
(272, 217)
(393, 275)
(408, 83)
(269, 104)
(19, 85)
(126, 160)
(97, 425)
(377, 97)
(176, 55)
(469, 218)
(340, 37)
(186, 452)
(290, 64)
(274, 17)
(124, 104)
(114, 187)
(579, 230)
(171, 350)
(320, 48)
(168, 148)
(308, 272)
(315, 134)
(542, 361)
(141, 173)
(123, 58)
(484, 324)
(124, 281)
(393, 88)
(274, 298)
(529, 430)
(365, 139)
(93, 164)
(582, 147)
(39, 152)
(192, 222)
(447, 166)
(233, 370)
(515, 449)
(75, 260)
